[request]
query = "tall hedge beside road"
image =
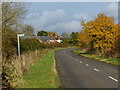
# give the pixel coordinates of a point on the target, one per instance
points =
(11, 16)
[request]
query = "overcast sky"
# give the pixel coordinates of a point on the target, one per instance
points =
(65, 16)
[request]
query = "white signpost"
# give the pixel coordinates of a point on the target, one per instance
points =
(18, 38)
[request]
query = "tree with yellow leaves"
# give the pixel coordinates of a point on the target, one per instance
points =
(102, 32)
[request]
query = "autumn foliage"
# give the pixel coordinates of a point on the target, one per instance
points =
(100, 34)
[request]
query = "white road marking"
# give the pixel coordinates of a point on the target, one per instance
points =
(86, 64)
(96, 69)
(76, 59)
(80, 61)
(113, 78)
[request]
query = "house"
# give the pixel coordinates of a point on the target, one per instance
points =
(44, 39)
(59, 41)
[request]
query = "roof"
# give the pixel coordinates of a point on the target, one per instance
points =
(29, 37)
(42, 38)
(45, 38)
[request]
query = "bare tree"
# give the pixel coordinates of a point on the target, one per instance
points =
(11, 14)
(28, 30)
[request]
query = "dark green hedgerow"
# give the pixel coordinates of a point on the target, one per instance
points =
(31, 45)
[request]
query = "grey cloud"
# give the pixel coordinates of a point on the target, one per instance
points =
(66, 27)
(56, 21)
(47, 18)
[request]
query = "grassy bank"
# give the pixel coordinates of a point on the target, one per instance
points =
(43, 73)
(95, 57)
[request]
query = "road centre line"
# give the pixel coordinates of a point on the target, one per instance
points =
(110, 77)
(113, 78)
(86, 64)
(80, 61)
(96, 69)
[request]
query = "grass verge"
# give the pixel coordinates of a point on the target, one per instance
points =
(43, 73)
(95, 57)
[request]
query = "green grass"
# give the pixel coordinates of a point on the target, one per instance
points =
(95, 57)
(43, 73)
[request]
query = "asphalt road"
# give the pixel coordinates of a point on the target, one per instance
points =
(80, 72)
